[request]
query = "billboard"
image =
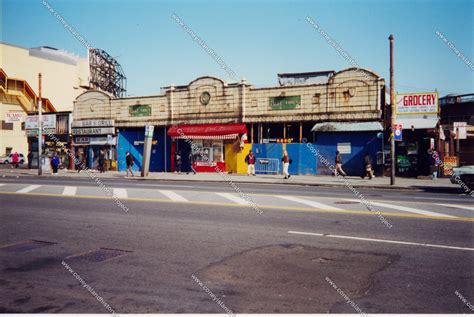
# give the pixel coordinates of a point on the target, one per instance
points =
(49, 122)
(417, 103)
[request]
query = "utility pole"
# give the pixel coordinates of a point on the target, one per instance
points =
(40, 129)
(393, 116)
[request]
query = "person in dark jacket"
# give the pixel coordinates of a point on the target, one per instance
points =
(250, 160)
(177, 162)
(55, 161)
(101, 161)
(368, 166)
(129, 160)
(30, 159)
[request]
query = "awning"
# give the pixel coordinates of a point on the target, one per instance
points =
(418, 123)
(347, 126)
(207, 131)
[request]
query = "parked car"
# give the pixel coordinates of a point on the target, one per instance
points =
(466, 174)
(7, 159)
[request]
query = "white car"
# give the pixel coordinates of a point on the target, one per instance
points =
(6, 159)
(466, 174)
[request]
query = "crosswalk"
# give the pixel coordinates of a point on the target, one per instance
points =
(458, 211)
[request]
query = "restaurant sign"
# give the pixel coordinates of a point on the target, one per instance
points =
(417, 103)
(140, 110)
(92, 123)
(284, 102)
(93, 131)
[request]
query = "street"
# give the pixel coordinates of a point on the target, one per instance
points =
(309, 250)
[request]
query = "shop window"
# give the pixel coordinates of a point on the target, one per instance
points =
(6, 126)
(208, 150)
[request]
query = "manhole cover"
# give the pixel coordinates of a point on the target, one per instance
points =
(26, 246)
(99, 255)
(345, 202)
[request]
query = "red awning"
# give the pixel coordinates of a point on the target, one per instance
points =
(205, 131)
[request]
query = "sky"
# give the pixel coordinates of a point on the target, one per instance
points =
(257, 39)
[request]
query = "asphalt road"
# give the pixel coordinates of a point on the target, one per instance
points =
(311, 250)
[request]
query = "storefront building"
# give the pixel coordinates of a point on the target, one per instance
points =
(228, 119)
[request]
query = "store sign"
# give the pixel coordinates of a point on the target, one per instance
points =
(92, 123)
(344, 148)
(11, 117)
(417, 103)
(95, 140)
(34, 132)
(285, 103)
(92, 131)
(460, 129)
(49, 122)
(139, 110)
(448, 164)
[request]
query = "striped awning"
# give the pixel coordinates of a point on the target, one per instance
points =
(208, 137)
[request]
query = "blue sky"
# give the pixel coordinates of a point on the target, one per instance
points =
(257, 39)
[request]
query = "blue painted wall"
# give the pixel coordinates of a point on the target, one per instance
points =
(304, 161)
(126, 139)
(353, 164)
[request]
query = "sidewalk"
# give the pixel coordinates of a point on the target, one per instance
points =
(307, 180)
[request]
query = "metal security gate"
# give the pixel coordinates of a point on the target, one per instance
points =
(267, 166)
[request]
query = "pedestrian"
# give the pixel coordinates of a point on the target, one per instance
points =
(434, 164)
(191, 163)
(338, 169)
(55, 161)
(78, 162)
(250, 160)
(177, 162)
(15, 160)
(129, 160)
(286, 164)
(101, 161)
(368, 166)
(30, 159)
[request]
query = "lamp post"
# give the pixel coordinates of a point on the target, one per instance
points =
(393, 116)
(40, 128)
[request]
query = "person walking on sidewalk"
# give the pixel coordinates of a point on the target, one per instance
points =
(191, 163)
(338, 169)
(15, 159)
(30, 159)
(250, 160)
(177, 162)
(368, 166)
(129, 160)
(286, 164)
(101, 161)
(55, 161)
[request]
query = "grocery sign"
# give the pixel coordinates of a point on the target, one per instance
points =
(417, 103)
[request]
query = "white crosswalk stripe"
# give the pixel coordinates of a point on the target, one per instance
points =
(311, 203)
(28, 189)
(234, 198)
(69, 190)
(120, 192)
(172, 195)
(407, 209)
(457, 206)
(2, 184)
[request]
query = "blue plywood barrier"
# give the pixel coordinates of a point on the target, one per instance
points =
(131, 140)
(360, 143)
(304, 162)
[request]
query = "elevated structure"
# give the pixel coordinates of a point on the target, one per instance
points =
(106, 73)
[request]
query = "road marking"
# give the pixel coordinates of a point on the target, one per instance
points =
(69, 190)
(120, 192)
(408, 209)
(172, 195)
(457, 206)
(28, 189)
(285, 208)
(233, 198)
(380, 240)
(309, 203)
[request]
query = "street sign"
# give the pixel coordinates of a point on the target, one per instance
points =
(397, 132)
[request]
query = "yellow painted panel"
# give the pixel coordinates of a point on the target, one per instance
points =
(235, 161)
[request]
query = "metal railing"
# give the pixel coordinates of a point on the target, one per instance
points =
(267, 166)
